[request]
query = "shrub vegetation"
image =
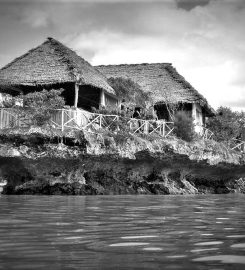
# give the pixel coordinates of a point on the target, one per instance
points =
(38, 106)
(183, 126)
(130, 91)
(227, 125)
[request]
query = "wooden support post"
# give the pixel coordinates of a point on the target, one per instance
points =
(194, 115)
(194, 111)
(76, 94)
(118, 105)
(23, 101)
(62, 120)
(102, 98)
(1, 118)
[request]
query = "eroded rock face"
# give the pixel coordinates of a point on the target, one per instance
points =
(129, 146)
(118, 164)
(148, 173)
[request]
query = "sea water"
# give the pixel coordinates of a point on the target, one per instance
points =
(122, 232)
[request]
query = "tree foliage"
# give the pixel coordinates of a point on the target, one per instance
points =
(183, 126)
(130, 91)
(38, 106)
(227, 124)
(8, 101)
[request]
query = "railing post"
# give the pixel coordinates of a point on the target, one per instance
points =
(62, 120)
(163, 128)
(100, 120)
(130, 125)
(146, 127)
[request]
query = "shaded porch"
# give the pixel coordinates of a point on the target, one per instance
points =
(75, 95)
(193, 110)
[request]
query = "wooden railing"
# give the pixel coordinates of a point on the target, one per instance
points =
(10, 118)
(151, 126)
(83, 120)
(207, 134)
(236, 144)
(203, 132)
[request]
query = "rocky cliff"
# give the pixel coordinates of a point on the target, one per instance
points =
(118, 164)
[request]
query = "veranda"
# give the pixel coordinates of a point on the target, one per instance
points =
(79, 119)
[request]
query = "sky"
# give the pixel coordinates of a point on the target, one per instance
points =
(203, 39)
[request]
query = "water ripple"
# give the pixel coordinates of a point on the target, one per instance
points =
(128, 244)
(122, 232)
(223, 258)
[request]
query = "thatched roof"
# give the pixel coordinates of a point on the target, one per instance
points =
(161, 80)
(51, 63)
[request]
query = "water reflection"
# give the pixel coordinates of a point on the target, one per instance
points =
(122, 232)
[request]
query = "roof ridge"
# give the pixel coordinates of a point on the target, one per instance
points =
(139, 64)
(51, 40)
(20, 57)
(71, 62)
(48, 39)
(181, 79)
(63, 51)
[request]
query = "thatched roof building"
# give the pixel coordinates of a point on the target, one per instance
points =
(161, 80)
(52, 64)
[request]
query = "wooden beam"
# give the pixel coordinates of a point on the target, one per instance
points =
(102, 98)
(194, 111)
(76, 94)
(163, 128)
(24, 99)
(1, 118)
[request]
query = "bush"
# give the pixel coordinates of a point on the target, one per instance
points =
(121, 137)
(39, 106)
(106, 111)
(8, 102)
(227, 125)
(130, 91)
(183, 126)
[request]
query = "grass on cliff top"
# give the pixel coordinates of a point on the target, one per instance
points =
(40, 135)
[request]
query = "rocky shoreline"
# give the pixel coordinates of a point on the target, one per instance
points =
(109, 175)
(156, 167)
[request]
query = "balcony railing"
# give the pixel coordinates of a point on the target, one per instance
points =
(83, 120)
(207, 133)
(203, 132)
(236, 144)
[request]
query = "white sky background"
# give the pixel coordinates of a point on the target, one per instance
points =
(205, 40)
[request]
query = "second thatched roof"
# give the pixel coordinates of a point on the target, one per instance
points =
(161, 80)
(51, 63)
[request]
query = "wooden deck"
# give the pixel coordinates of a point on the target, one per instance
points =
(82, 120)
